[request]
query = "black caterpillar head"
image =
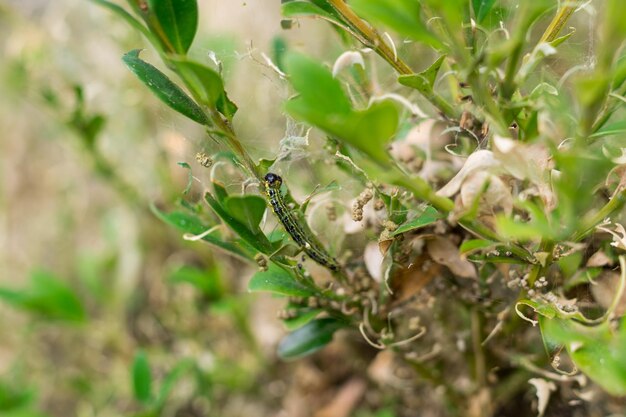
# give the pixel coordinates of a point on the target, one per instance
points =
(273, 180)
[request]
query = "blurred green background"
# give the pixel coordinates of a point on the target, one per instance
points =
(106, 310)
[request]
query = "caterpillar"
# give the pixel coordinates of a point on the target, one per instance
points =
(296, 228)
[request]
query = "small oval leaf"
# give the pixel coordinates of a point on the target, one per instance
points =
(303, 8)
(248, 209)
(47, 297)
(482, 8)
(203, 80)
(278, 280)
(473, 245)
(189, 223)
(403, 16)
(178, 21)
(164, 88)
(429, 216)
(323, 103)
(309, 338)
(303, 317)
(142, 378)
(254, 237)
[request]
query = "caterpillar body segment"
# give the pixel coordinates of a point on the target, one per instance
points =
(298, 231)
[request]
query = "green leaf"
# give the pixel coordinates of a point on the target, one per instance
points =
(429, 216)
(189, 223)
(164, 88)
(616, 128)
(303, 8)
(264, 165)
(512, 229)
(418, 82)
(308, 339)
(316, 85)
(551, 345)
(27, 412)
(430, 73)
(220, 192)
(189, 176)
(142, 378)
(332, 186)
(248, 209)
(425, 80)
(323, 103)
(397, 211)
(254, 237)
(556, 42)
(226, 106)
(278, 280)
(596, 351)
(14, 396)
(613, 30)
(304, 316)
(591, 343)
(424, 83)
(473, 245)
(178, 21)
(570, 264)
(496, 259)
(550, 311)
(315, 9)
(543, 89)
(592, 90)
(619, 72)
(279, 48)
(482, 8)
(328, 8)
(371, 129)
(541, 308)
(584, 276)
(202, 80)
(183, 221)
(47, 297)
(403, 16)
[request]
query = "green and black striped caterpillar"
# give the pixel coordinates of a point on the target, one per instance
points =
(298, 231)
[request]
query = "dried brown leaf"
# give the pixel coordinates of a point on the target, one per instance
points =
(495, 198)
(373, 258)
(384, 246)
(443, 251)
(478, 161)
(528, 162)
(409, 281)
(522, 160)
(422, 135)
(599, 259)
(480, 404)
(347, 60)
(381, 370)
(604, 291)
(544, 389)
(617, 176)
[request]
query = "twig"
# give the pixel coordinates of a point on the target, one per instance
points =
(591, 221)
(372, 39)
(558, 22)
